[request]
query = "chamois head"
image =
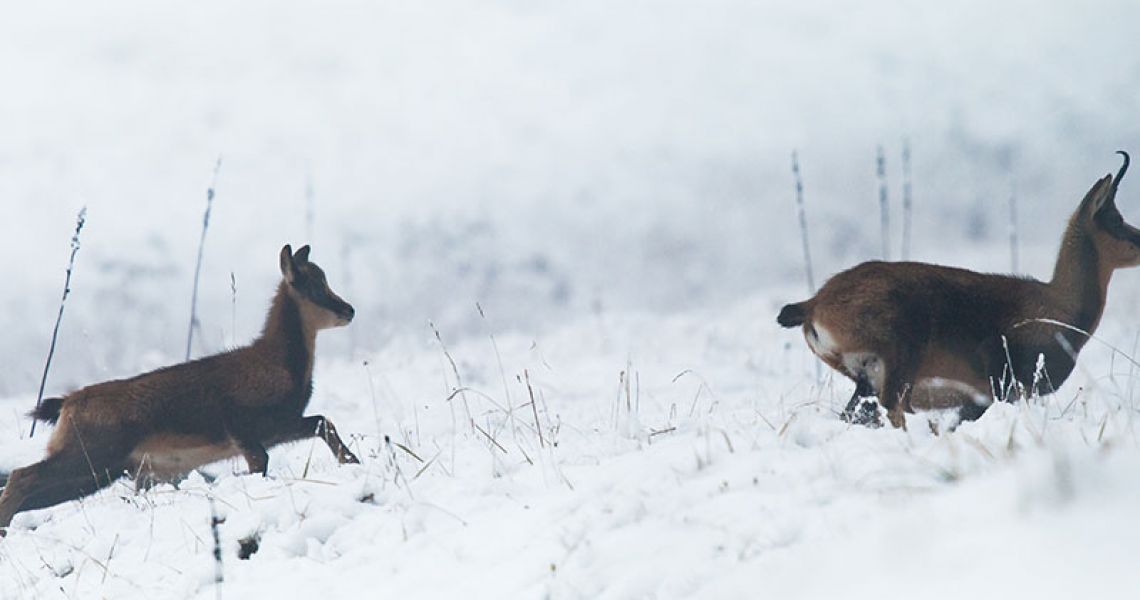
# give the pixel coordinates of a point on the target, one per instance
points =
(308, 286)
(1117, 242)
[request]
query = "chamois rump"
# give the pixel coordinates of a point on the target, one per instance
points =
(161, 424)
(926, 336)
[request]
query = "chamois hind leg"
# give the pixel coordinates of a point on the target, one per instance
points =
(852, 413)
(971, 411)
(66, 475)
(895, 395)
(315, 426)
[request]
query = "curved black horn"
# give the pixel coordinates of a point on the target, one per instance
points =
(1120, 173)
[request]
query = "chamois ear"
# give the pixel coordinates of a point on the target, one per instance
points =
(1097, 197)
(302, 255)
(287, 263)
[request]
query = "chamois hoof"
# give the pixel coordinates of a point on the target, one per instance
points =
(971, 411)
(897, 418)
(866, 414)
(348, 458)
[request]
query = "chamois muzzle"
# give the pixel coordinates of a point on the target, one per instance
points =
(346, 313)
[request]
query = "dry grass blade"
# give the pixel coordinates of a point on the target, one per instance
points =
(534, 409)
(408, 450)
(977, 445)
(490, 437)
(459, 387)
(1082, 332)
(787, 424)
(429, 463)
(308, 459)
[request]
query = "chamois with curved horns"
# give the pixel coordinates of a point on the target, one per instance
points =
(926, 336)
(162, 424)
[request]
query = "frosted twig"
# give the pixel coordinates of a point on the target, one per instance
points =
(310, 208)
(80, 219)
(1013, 250)
(534, 408)
(803, 222)
(198, 266)
(906, 199)
(233, 306)
(459, 388)
(1080, 331)
(884, 206)
(218, 572)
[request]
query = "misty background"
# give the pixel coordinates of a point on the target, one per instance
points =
(548, 160)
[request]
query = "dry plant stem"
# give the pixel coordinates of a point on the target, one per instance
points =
(803, 222)
(502, 371)
(1013, 251)
(399, 473)
(906, 199)
(459, 388)
(80, 219)
(1062, 325)
(372, 394)
(534, 409)
(804, 236)
(201, 248)
(884, 206)
(233, 307)
(490, 438)
(310, 208)
(218, 573)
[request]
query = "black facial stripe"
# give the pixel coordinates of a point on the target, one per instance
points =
(322, 297)
(1113, 224)
(311, 283)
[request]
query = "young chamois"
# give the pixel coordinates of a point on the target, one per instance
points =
(926, 336)
(162, 424)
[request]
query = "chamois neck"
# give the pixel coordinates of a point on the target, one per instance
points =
(1081, 278)
(286, 337)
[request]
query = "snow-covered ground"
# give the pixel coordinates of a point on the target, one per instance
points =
(610, 182)
(721, 471)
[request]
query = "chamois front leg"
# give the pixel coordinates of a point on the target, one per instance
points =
(256, 456)
(327, 432)
(315, 426)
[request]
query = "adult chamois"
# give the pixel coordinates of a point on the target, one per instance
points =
(926, 336)
(161, 424)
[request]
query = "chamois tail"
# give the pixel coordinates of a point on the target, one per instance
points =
(48, 410)
(793, 315)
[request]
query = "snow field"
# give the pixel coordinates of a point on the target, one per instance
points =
(724, 473)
